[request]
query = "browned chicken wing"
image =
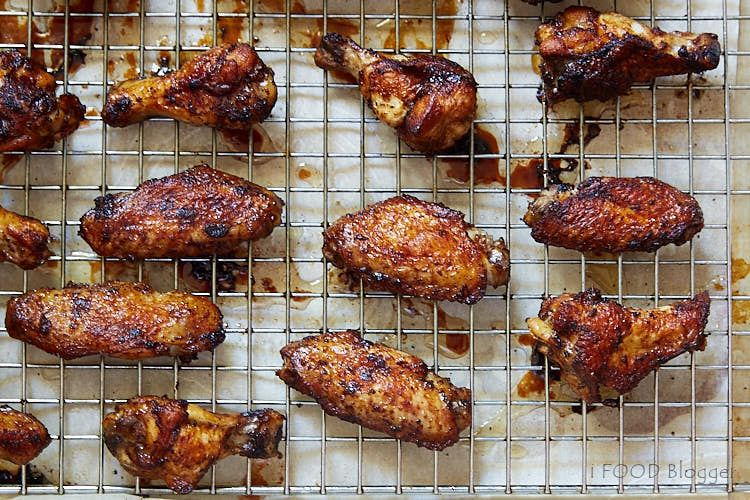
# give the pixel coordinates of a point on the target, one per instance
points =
(590, 55)
(31, 116)
(197, 212)
(612, 214)
(597, 342)
(226, 87)
(405, 245)
(23, 240)
(377, 387)
(429, 100)
(170, 439)
(22, 436)
(120, 319)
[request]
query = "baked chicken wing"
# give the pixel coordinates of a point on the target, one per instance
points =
(170, 439)
(31, 115)
(614, 214)
(589, 55)
(405, 245)
(227, 87)
(429, 100)
(377, 387)
(120, 319)
(22, 436)
(197, 212)
(597, 342)
(23, 240)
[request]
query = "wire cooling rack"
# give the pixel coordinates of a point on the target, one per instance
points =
(324, 153)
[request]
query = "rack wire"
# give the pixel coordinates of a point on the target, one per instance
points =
(506, 460)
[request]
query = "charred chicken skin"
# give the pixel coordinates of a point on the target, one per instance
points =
(612, 214)
(120, 319)
(23, 240)
(597, 342)
(22, 436)
(377, 387)
(589, 55)
(227, 87)
(197, 212)
(170, 439)
(405, 245)
(31, 115)
(429, 100)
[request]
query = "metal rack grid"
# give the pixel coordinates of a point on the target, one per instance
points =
(66, 228)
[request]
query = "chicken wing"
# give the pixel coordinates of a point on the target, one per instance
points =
(170, 439)
(197, 212)
(227, 87)
(405, 245)
(589, 55)
(429, 100)
(23, 240)
(22, 436)
(377, 387)
(31, 116)
(120, 319)
(615, 215)
(597, 342)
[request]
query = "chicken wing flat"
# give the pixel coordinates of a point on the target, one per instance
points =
(589, 55)
(597, 342)
(22, 436)
(406, 245)
(377, 387)
(31, 115)
(197, 212)
(614, 214)
(227, 87)
(429, 100)
(120, 319)
(23, 240)
(170, 439)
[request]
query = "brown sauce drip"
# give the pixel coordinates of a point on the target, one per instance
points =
(486, 170)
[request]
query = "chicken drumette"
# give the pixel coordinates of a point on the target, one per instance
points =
(23, 240)
(429, 100)
(590, 55)
(597, 342)
(31, 116)
(22, 436)
(169, 439)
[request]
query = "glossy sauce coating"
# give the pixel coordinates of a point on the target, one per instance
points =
(22, 436)
(23, 240)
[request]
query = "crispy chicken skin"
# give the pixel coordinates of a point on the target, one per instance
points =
(31, 115)
(22, 436)
(612, 214)
(120, 319)
(406, 245)
(226, 87)
(429, 100)
(589, 55)
(597, 342)
(197, 212)
(170, 439)
(23, 240)
(377, 387)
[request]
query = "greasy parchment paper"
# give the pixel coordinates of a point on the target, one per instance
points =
(289, 289)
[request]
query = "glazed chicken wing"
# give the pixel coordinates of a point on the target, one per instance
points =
(405, 245)
(429, 100)
(590, 55)
(612, 214)
(197, 212)
(23, 240)
(170, 439)
(227, 87)
(31, 115)
(377, 387)
(22, 436)
(120, 319)
(597, 342)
